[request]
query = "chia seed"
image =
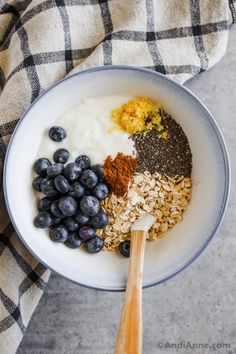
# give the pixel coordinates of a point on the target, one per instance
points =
(171, 157)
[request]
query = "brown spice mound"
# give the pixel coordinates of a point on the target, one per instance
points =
(118, 172)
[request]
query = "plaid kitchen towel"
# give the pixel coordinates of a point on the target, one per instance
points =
(41, 41)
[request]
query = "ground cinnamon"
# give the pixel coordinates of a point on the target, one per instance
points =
(117, 172)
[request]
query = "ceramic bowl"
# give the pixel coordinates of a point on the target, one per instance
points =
(211, 178)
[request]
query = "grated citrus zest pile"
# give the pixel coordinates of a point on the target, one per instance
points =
(139, 116)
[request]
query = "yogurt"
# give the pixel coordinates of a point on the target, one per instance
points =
(88, 126)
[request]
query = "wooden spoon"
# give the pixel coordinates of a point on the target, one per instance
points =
(129, 337)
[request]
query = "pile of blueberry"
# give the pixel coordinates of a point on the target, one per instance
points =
(73, 191)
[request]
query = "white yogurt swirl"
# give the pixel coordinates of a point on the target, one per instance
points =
(88, 128)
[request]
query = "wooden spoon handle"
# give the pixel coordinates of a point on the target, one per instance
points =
(129, 337)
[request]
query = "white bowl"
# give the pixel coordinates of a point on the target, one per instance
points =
(211, 178)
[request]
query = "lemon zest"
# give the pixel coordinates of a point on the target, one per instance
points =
(138, 116)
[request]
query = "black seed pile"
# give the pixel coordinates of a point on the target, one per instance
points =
(171, 157)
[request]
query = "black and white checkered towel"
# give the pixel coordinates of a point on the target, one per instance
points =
(41, 41)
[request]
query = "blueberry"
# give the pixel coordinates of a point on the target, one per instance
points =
(56, 221)
(124, 248)
(61, 155)
(57, 133)
(95, 245)
(48, 188)
(43, 220)
(41, 166)
(88, 179)
(74, 241)
(100, 191)
(98, 170)
(76, 190)
(44, 203)
(83, 161)
(68, 206)
(87, 232)
(36, 183)
(71, 224)
(54, 209)
(82, 219)
(61, 184)
(72, 171)
(59, 233)
(55, 170)
(100, 220)
(89, 205)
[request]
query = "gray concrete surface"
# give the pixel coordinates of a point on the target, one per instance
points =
(197, 306)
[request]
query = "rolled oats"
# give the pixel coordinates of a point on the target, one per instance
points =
(162, 196)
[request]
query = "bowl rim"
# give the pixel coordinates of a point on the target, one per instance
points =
(212, 121)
